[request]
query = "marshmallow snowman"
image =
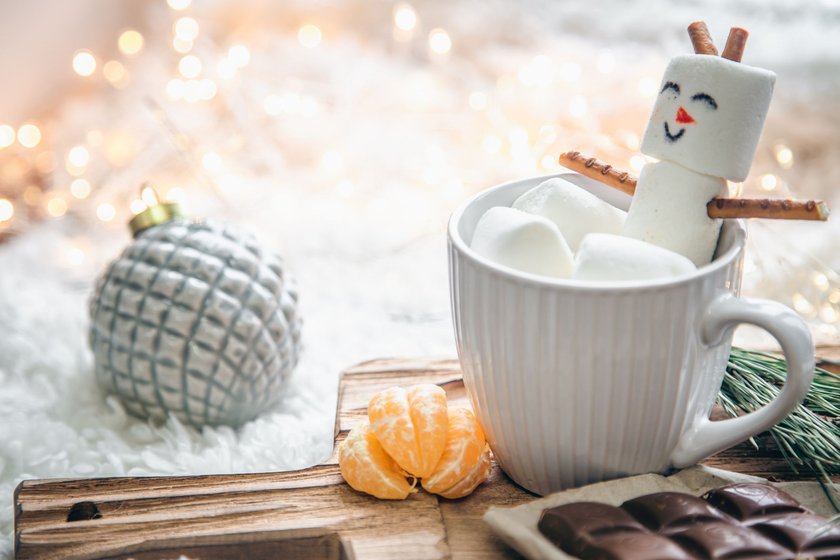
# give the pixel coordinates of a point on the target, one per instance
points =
(704, 129)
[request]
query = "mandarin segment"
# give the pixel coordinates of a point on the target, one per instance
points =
(465, 462)
(430, 416)
(411, 425)
(478, 474)
(368, 468)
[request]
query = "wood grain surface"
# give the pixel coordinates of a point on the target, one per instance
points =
(309, 513)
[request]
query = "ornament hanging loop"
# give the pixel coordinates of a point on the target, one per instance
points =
(155, 213)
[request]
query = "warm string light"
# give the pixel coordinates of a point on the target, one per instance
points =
(29, 135)
(56, 206)
(309, 36)
(189, 66)
(405, 18)
(784, 156)
(115, 73)
(179, 4)
(769, 182)
(80, 188)
(186, 29)
(130, 42)
(106, 212)
(7, 210)
(439, 41)
(78, 156)
(84, 63)
(7, 136)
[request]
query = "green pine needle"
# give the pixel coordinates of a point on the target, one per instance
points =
(810, 436)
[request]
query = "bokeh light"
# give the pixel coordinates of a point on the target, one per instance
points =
(56, 206)
(29, 135)
(439, 41)
(189, 66)
(186, 29)
(80, 188)
(7, 136)
(84, 63)
(405, 18)
(106, 212)
(130, 42)
(7, 210)
(309, 36)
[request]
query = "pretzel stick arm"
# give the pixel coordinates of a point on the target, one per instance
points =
(600, 171)
(768, 208)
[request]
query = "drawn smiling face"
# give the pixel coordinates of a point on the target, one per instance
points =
(708, 115)
(699, 102)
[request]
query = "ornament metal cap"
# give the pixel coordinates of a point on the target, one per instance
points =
(155, 213)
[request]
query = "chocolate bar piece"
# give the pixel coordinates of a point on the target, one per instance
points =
(745, 501)
(807, 533)
(736, 521)
(727, 540)
(636, 546)
(573, 526)
(667, 511)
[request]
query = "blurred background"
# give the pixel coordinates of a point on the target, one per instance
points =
(342, 133)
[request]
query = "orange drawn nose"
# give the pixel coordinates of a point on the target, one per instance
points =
(683, 116)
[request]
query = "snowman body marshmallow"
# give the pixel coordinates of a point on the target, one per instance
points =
(704, 129)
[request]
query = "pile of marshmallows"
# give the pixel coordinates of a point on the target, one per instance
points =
(560, 230)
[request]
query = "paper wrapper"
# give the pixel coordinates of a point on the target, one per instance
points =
(517, 526)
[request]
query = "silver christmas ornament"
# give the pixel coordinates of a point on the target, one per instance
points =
(194, 318)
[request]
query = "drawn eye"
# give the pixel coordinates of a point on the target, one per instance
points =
(706, 98)
(671, 85)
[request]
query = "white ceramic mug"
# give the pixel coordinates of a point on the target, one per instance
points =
(576, 382)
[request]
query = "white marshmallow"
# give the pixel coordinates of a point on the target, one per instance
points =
(720, 141)
(522, 241)
(669, 210)
(575, 211)
(615, 258)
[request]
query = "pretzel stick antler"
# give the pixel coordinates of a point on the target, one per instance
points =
(701, 39)
(767, 208)
(735, 44)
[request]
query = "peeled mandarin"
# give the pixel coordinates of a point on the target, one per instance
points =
(367, 468)
(465, 462)
(411, 424)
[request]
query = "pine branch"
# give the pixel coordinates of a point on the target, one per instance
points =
(810, 436)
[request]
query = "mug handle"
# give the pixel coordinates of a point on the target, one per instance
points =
(705, 437)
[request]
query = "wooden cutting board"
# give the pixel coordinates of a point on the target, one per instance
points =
(309, 513)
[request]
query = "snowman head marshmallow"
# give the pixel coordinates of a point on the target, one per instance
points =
(708, 115)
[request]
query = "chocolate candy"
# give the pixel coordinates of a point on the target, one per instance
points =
(727, 540)
(640, 546)
(736, 521)
(745, 501)
(586, 521)
(669, 511)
